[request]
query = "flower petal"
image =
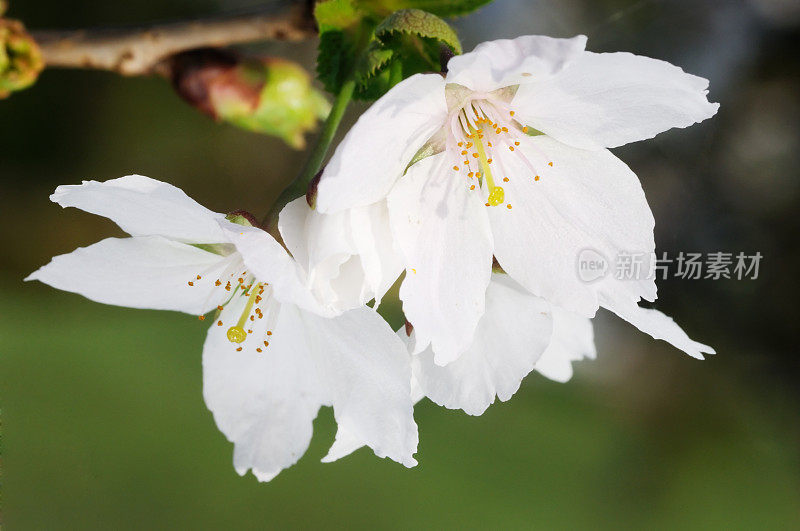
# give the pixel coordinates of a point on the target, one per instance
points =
(572, 340)
(141, 272)
(378, 148)
(348, 255)
(657, 325)
(366, 370)
(443, 233)
(610, 99)
(264, 403)
(346, 442)
(586, 202)
(512, 334)
(501, 63)
(265, 258)
(372, 236)
(143, 207)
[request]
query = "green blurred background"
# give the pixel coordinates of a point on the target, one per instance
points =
(103, 419)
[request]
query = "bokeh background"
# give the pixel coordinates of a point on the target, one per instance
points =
(103, 419)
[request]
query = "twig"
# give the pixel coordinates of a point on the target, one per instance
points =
(137, 51)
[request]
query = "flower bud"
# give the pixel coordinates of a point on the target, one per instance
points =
(265, 95)
(242, 217)
(20, 57)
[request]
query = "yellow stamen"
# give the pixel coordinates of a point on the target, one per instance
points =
(236, 334)
(496, 193)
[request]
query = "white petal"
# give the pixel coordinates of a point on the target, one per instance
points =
(657, 325)
(511, 336)
(141, 272)
(588, 201)
(611, 99)
(367, 371)
(321, 244)
(348, 255)
(142, 207)
(377, 149)
(265, 402)
(292, 224)
(346, 443)
(373, 240)
(501, 63)
(443, 233)
(265, 258)
(572, 340)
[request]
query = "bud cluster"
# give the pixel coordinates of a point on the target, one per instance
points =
(261, 94)
(20, 57)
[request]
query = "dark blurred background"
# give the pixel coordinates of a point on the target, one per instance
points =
(103, 419)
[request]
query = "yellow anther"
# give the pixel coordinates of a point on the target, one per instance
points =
(511, 113)
(455, 168)
(236, 334)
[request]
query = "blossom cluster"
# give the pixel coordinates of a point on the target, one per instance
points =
(477, 188)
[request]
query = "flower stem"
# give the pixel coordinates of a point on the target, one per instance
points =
(299, 185)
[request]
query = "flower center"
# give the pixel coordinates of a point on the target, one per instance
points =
(258, 295)
(481, 133)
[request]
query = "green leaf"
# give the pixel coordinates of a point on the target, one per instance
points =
(442, 8)
(416, 23)
(406, 42)
(336, 15)
(345, 32)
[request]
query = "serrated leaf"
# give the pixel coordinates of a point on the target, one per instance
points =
(407, 42)
(375, 59)
(345, 32)
(442, 8)
(421, 23)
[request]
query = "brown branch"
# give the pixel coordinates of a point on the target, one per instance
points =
(137, 51)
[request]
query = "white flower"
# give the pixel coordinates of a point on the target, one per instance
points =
(467, 182)
(348, 255)
(275, 353)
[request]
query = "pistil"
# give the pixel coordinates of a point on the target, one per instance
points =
(237, 334)
(496, 193)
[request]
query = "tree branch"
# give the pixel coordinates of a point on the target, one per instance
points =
(137, 51)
